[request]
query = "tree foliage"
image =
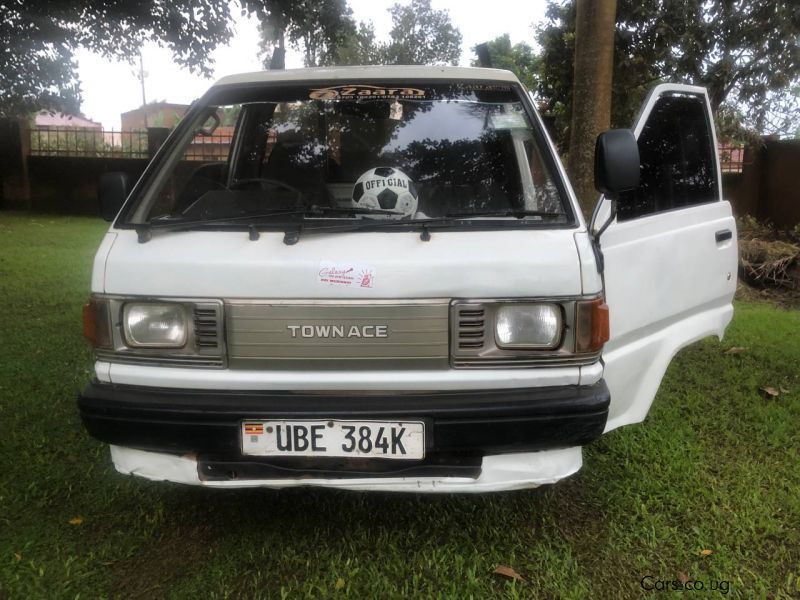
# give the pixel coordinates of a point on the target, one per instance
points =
(747, 53)
(38, 38)
(359, 46)
(420, 35)
(316, 27)
(520, 59)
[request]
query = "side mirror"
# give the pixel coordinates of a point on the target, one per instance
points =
(112, 192)
(616, 162)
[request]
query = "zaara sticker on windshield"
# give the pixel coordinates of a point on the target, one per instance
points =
(349, 92)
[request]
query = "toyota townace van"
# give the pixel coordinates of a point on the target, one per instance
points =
(379, 278)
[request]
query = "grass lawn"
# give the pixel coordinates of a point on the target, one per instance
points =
(714, 467)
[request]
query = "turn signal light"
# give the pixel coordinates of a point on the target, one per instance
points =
(591, 325)
(97, 323)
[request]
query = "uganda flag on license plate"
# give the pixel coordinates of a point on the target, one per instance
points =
(253, 428)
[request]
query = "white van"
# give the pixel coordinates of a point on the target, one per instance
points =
(382, 281)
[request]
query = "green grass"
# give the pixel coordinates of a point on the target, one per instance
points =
(715, 466)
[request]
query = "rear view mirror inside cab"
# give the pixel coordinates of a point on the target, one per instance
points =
(616, 162)
(210, 125)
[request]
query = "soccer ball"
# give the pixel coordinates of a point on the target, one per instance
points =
(386, 188)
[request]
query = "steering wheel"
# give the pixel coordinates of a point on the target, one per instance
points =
(264, 184)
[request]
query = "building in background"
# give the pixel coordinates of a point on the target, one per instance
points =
(154, 114)
(45, 118)
(62, 134)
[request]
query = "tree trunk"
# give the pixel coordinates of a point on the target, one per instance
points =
(595, 22)
(278, 60)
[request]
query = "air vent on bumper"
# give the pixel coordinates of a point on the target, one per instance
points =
(206, 327)
(471, 326)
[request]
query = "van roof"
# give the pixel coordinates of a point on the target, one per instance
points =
(380, 73)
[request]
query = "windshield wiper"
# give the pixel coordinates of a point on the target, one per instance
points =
(519, 214)
(349, 210)
(145, 230)
(292, 236)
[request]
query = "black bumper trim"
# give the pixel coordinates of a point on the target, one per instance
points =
(473, 422)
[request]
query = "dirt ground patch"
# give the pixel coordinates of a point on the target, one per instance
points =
(783, 298)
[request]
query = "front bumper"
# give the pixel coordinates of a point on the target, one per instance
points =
(465, 430)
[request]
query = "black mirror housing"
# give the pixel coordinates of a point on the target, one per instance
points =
(113, 190)
(616, 162)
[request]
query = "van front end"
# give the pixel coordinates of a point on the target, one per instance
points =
(424, 381)
(382, 284)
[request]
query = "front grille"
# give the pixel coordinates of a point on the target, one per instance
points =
(471, 326)
(315, 334)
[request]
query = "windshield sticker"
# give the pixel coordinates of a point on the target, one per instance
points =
(509, 120)
(485, 87)
(396, 111)
(356, 275)
(349, 92)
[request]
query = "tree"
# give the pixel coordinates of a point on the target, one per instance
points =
(317, 27)
(591, 92)
(520, 59)
(421, 35)
(746, 53)
(358, 46)
(38, 38)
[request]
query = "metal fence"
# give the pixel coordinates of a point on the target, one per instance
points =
(110, 143)
(88, 142)
(731, 158)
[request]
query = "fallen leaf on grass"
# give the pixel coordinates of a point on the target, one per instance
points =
(706, 552)
(508, 572)
(683, 578)
(735, 350)
(339, 583)
(75, 521)
(770, 391)
(18, 556)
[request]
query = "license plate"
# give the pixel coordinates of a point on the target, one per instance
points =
(356, 439)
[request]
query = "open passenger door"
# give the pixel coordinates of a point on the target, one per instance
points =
(670, 252)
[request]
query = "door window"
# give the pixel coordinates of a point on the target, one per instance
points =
(678, 159)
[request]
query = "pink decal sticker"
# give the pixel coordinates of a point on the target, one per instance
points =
(345, 274)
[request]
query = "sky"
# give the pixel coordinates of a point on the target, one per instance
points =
(110, 88)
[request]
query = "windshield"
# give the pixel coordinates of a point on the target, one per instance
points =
(404, 153)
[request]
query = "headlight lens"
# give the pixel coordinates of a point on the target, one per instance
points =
(155, 325)
(528, 326)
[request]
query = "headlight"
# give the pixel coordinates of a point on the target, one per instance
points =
(528, 326)
(153, 325)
